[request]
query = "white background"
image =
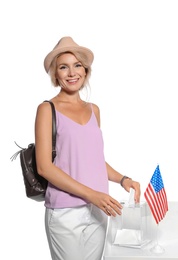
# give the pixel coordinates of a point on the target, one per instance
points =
(134, 82)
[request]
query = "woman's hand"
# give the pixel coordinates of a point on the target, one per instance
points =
(129, 183)
(106, 203)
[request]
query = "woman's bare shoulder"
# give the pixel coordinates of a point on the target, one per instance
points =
(45, 105)
(95, 108)
(43, 110)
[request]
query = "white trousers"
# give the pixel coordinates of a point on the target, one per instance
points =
(76, 233)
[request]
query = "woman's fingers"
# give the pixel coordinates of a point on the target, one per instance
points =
(105, 202)
(113, 209)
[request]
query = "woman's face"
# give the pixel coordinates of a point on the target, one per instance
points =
(70, 72)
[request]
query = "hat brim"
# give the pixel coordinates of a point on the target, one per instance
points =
(88, 54)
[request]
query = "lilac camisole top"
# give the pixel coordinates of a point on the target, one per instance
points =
(79, 154)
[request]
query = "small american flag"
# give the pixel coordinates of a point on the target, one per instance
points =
(155, 196)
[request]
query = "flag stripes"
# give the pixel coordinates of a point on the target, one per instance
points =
(155, 196)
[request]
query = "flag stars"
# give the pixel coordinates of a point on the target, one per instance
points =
(156, 180)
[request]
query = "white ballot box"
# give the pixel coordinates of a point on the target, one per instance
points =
(134, 228)
(132, 235)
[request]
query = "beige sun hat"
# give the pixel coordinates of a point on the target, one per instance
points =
(67, 44)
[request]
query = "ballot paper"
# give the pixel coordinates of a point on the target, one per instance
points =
(131, 201)
(129, 238)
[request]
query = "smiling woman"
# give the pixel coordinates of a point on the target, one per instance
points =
(79, 176)
(67, 45)
(134, 82)
(70, 73)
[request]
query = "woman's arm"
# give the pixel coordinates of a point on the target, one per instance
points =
(115, 176)
(127, 183)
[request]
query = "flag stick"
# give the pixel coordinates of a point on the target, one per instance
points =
(157, 248)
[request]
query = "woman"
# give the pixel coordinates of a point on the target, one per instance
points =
(77, 200)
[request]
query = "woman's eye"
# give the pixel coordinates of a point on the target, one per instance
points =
(78, 65)
(62, 67)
